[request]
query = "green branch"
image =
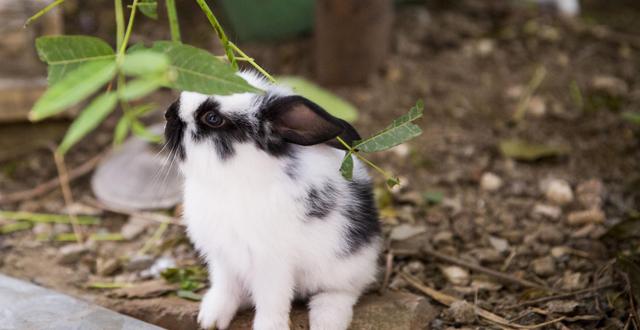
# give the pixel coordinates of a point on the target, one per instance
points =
(43, 11)
(251, 61)
(119, 23)
(127, 35)
(173, 20)
(226, 44)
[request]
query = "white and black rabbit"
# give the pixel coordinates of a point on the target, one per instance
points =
(267, 208)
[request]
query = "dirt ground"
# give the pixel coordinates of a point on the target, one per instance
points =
(514, 192)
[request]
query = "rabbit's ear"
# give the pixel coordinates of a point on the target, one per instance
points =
(300, 121)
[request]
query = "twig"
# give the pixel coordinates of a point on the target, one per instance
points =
(153, 239)
(447, 300)
(387, 272)
(66, 194)
(142, 215)
(52, 184)
(536, 80)
(502, 276)
(226, 44)
(561, 296)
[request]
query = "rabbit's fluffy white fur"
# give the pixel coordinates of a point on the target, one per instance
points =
(272, 225)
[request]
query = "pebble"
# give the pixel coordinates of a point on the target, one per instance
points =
(562, 306)
(158, 267)
(551, 212)
(550, 234)
(490, 182)
(488, 255)
(590, 193)
(443, 237)
(461, 312)
(480, 284)
(537, 108)
(71, 253)
(610, 85)
(455, 275)
(559, 192)
(574, 281)
(405, 231)
(544, 266)
(139, 262)
(500, 244)
(414, 267)
(134, 227)
(107, 267)
(590, 216)
(411, 197)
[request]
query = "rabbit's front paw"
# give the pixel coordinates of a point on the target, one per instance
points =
(215, 311)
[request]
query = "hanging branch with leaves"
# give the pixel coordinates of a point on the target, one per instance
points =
(81, 66)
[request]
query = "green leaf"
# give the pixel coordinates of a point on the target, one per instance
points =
(392, 181)
(14, 227)
(149, 8)
(142, 132)
(525, 151)
(144, 62)
(73, 88)
(189, 295)
(141, 87)
(632, 117)
(433, 197)
(334, 104)
(64, 54)
(89, 119)
(121, 130)
(199, 71)
(47, 218)
(400, 130)
(346, 169)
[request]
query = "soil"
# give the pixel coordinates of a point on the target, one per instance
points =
(460, 194)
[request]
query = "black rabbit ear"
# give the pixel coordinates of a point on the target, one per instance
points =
(300, 121)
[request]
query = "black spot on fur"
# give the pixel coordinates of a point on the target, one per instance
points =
(363, 216)
(236, 129)
(174, 130)
(320, 202)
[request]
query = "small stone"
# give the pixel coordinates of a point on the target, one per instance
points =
(490, 182)
(139, 262)
(574, 281)
(610, 85)
(443, 237)
(584, 231)
(500, 244)
(456, 275)
(134, 227)
(488, 255)
(559, 192)
(560, 251)
(71, 253)
(544, 266)
(562, 306)
(589, 193)
(480, 284)
(414, 267)
(107, 267)
(411, 197)
(405, 231)
(401, 150)
(546, 211)
(398, 283)
(537, 108)
(462, 312)
(550, 234)
(160, 265)
(485, 47)
(590, 216)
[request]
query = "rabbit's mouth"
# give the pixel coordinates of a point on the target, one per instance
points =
(174, 132)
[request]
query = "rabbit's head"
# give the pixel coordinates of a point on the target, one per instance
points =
(271, 121)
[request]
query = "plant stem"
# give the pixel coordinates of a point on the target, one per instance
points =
(119, 23)
(368, 162)
(173, 20)
(220, 32)
(68, 197)
(43, 11)
(251, 61)
(127, 34)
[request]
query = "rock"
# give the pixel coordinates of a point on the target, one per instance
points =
(611, 85)
(544, 266)
(71, 253)
(107, 267)
(139, 262)
(537, 108)
(134, 227)
(574, 281)
(461, 312)
(487, 255)
(405, 231)
(455, 275)
(550, 234)
(583, 231)
(558, 192)
(500, 244)
(390, 311)
(546, 211)
(414, 267)
(560, 251)
(481, 284)
(579, 218)
(442, 237)
(490, 182)
(590, 193)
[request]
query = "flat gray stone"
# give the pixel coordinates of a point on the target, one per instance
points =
(24, 306)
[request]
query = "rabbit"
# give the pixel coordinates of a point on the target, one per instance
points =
(267, 208)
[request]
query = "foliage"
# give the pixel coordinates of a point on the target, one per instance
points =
(189, 279)
(81, 66)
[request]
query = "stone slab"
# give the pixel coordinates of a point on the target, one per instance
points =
(24, 306)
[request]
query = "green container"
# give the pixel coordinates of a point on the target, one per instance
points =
(252, 20)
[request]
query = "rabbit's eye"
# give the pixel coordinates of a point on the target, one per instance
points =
(212, 119)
